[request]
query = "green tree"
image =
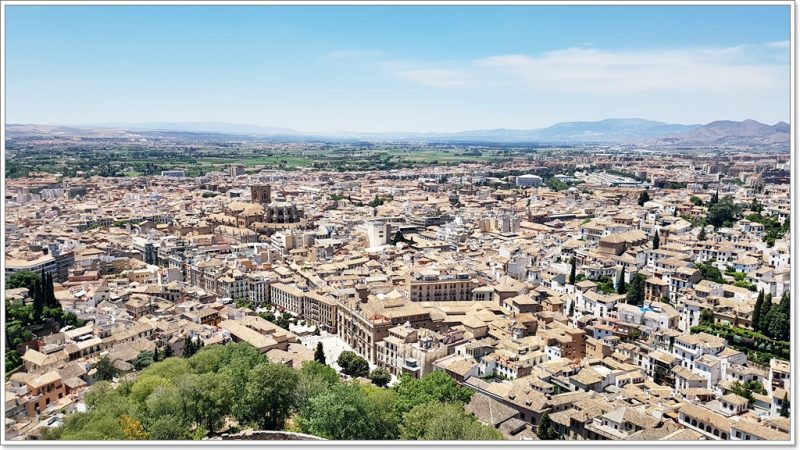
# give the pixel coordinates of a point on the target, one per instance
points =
(784, 411)
(756, 316)
(106, 370)
(164, 414)
(341, 413)
(755, 206)
(546, 431)
(380, 377)
(353, 365)
(777, 322)
(17, 334)
(556, 185)
(764, 314)
(146, 385)
(572, 271)
(269, 395)
(13, 360)
(191, 346)
(743, 390)
(207, 398)
(710, 272)
(784, 329)
(50, 294)
(38, 301)
(435, 386)
(702, 235)
(22, 279)
(621, 282)
(381, 412)
(635, 294)
(707, 317)
(696, 200)
(644, 197)
(315, 379)
(319, 354)
(377, 201)
(143, 359)
(723, 212)
(444, 421)
(656, 240)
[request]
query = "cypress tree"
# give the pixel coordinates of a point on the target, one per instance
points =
(38, 302)
(572, 271)
(319, 354)
(51, 293)
(644, 197)
(546, 431)
(763, 315)
(785, 321)
(621, 282)
(656, 241)
(189, 347)
(785, 305)
(784, 412)
(636, 290)
(756, 319)
(702, 236)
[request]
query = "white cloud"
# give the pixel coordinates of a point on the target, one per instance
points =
(432, 75)
(780, 44)
(724, 69)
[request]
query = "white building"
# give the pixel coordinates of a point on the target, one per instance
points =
(529, 180)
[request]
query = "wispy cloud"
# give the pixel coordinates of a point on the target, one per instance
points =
(723, 69)
(780, 44)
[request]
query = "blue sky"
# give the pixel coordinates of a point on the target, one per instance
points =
(396, 68)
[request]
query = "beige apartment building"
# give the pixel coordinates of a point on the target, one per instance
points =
(364, 324)
(433, 287)
(318, 308)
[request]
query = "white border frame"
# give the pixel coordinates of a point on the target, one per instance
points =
(333, 3)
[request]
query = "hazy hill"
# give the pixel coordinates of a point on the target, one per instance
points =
(609, 131)
(729, 132)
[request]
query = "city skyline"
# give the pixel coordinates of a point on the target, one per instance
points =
(396, 68)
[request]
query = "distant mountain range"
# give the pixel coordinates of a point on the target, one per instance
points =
(609, 131)
(727, 132)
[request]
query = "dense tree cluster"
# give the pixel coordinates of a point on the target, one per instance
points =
(225, 388)
(191, 346)
(644, 197)
(43, 315)
(556, 185)
(352, 364)
(747, 389)
(710, 272)
(722, 213)
(773, 229)
(635, 295)
(773, 320)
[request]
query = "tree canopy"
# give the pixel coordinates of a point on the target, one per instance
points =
(225, 387)
(352, 364)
